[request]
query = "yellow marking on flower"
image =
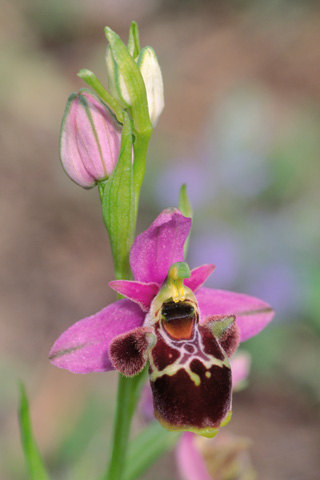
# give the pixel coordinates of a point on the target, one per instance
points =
(172, 369)
(208, 432)
(175, 284)
(193, 376)
(227, 419)
(208, 374)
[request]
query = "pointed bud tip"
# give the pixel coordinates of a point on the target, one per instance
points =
(85, 73)
(110, 34)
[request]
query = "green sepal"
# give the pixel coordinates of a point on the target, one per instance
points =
(134, 40)
(91, 80)
(36, 468)
(186, 210)
(126, 70)
(118, 205)
(146, 448)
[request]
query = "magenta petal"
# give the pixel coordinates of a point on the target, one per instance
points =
(198, 276)
(83, 347)
(156, 249)
(252, 314)
(138, 292)
(190, 462)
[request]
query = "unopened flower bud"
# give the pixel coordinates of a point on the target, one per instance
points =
(124, 77)
(151, 74)
(89, 140)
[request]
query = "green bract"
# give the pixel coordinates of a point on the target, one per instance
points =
(118, 205)
(125, 81)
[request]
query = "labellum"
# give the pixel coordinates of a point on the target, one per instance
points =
(189, 370)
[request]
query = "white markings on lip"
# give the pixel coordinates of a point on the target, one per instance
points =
(189, 350)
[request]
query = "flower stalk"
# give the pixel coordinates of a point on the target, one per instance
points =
(127, 397)
(119, 215)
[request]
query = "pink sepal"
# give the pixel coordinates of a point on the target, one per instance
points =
(155, 250)
(252, 314)
(83, 347)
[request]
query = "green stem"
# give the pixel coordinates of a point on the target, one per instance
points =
(127, 398)
(128, 388)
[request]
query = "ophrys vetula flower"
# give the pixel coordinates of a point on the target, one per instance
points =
(185, 331)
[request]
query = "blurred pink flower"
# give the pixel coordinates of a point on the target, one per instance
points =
(186, 331)
(89, 139)
(222, 458)
(240, 366)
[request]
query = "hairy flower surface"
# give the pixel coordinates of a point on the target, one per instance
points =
(185, 331)
(222, 458)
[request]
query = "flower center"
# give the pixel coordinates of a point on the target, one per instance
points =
(178, 319)
(177, 273)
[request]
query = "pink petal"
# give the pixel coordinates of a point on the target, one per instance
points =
(190, 462)
(129, 352)
(198, 276)
(138, 292)
(83, 347)
(240, 366)
(156, 249)
(252, 314)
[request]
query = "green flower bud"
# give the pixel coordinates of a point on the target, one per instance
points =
(134, 82)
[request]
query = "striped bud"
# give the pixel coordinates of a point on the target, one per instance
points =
(89, 139)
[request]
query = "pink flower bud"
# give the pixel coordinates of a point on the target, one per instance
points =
(89, 140)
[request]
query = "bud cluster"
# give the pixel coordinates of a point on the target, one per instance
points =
(90, 137)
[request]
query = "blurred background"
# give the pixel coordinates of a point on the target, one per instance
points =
(241, 128)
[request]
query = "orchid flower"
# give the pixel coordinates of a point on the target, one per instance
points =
(187, 332)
